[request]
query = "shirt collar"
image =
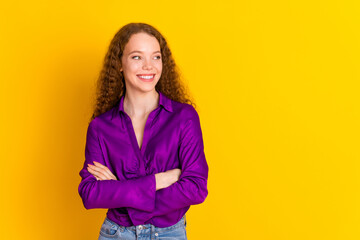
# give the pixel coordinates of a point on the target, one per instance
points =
(164, 101)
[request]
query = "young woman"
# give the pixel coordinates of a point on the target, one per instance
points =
(144, 153)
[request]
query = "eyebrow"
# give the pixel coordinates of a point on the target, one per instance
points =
(142, 52)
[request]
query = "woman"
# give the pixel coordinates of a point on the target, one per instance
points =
(144, 153)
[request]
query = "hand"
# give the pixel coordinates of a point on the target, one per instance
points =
(165, 179)
(100, 172)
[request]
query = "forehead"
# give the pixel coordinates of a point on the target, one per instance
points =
(142, 42)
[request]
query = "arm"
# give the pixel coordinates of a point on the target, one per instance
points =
(191, 188)
(136, 193)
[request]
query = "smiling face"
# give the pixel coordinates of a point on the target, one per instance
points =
(141, 63)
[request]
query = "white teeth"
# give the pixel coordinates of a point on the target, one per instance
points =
(146, 77)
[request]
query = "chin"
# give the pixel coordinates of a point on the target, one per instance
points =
(147, 89)
(142, 86)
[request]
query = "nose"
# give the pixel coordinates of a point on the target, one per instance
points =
(147, 65)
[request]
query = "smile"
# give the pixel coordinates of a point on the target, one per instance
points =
(146, 77)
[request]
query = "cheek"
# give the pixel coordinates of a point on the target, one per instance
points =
(159, 66)
(134, 66)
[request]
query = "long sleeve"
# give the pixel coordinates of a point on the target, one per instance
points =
(136, 193)
(191, 188)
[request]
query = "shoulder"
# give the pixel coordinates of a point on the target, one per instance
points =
(104, 118)
(188, 118)
(189, 123)
(185, 111)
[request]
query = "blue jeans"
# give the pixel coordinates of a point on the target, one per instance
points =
(111, 230)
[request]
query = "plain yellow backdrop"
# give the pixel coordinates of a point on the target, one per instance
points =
(277, 85)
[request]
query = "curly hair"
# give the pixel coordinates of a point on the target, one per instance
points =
(110, 85)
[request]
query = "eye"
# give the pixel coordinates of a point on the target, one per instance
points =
(158, 57)
(135, 57)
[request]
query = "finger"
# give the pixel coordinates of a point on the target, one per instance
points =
(99, 172)
(103, 169)
(102, 176)
(103, 173)
(93, 173)
(113, 176)
(106, 170)
(98, 167)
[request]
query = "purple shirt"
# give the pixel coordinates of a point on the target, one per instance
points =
(172, 139)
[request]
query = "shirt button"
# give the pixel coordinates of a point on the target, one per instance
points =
(140, 227)
(156, 234)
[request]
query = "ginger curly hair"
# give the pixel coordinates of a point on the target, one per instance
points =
(110, 85)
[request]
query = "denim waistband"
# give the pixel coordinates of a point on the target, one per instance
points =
(180, 223)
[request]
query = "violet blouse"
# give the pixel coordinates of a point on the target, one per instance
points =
(172, 139)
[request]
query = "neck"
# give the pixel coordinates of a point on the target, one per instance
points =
(139, 104)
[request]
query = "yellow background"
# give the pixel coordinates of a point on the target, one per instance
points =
(277, 85)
